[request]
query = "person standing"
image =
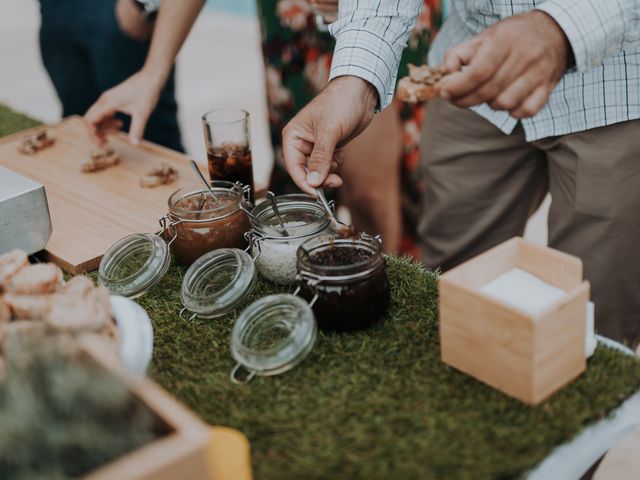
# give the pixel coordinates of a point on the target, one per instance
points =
(88, 46)
(542, 96)
(297, 54)
(382, 185)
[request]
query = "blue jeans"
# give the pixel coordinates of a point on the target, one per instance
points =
(85, 53)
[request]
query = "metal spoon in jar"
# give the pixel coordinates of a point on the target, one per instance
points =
(195, 168)
(343, 230)
(274, 204)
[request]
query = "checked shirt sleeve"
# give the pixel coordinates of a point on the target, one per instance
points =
(596, 29)
(370, 37)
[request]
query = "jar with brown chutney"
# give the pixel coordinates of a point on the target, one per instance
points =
(345, 280)
(201, 223)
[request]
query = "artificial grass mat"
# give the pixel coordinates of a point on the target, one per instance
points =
(12, 121)
(378, 403)
(373, 404)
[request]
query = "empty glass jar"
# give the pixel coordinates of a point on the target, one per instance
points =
(271, 336)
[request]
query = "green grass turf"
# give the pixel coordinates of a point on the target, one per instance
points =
(377, 404)
(12, 121)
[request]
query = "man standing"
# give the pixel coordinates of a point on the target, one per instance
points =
(544, 96)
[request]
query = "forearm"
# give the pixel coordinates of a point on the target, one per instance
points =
(174, 21)
(596, 29)
(370, 37)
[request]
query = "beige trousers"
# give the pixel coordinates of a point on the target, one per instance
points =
(482, 186)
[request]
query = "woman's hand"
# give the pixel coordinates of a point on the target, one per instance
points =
(137, 96)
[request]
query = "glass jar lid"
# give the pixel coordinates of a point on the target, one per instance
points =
(271, 336)
(134, 264)
(217, 282)
(301, 214)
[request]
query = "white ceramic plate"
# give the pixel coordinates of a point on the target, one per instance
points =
(136, 334)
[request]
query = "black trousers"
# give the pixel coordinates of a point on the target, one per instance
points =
(85, 53)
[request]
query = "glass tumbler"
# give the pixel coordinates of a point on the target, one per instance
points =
(228, 144)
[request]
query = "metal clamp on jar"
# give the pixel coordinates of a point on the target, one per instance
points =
(347, 279)
(279, 227)
(139, 261)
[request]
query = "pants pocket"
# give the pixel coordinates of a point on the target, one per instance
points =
(595, 187)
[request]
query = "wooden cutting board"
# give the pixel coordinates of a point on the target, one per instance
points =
(91, 211)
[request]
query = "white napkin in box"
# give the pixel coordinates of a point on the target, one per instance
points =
(530, 294)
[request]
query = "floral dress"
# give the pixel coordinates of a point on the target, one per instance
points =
(298, 59)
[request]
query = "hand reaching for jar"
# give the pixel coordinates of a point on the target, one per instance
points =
(311, 141)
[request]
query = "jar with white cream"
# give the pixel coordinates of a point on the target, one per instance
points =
(274, 247)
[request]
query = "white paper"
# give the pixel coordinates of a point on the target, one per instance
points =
(519, 289)
(530, 294)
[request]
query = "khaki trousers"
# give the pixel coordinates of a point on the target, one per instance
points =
(482, 186)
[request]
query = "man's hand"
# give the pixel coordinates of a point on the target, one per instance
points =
(336, 116)
(137, 96)
(514, 65)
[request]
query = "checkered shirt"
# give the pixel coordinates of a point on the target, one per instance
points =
(603, 89)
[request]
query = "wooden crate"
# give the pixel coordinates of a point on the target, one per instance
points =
(526, 356)
(187, 452)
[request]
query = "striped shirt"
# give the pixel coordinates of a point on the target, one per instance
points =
(603, 89)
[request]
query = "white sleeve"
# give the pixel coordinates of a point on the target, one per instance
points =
(596, 29)
(370, 37)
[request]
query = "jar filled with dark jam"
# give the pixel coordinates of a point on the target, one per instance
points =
(201, 223)
(345, 280)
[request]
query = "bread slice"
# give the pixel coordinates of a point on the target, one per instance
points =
(36, 280)
(422, 84)
(99, 160)
(10, 264)
(161, 175)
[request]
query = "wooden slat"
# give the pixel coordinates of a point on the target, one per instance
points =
(90, 212)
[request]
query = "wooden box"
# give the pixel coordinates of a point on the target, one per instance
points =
(527, 356)
(191, 450)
